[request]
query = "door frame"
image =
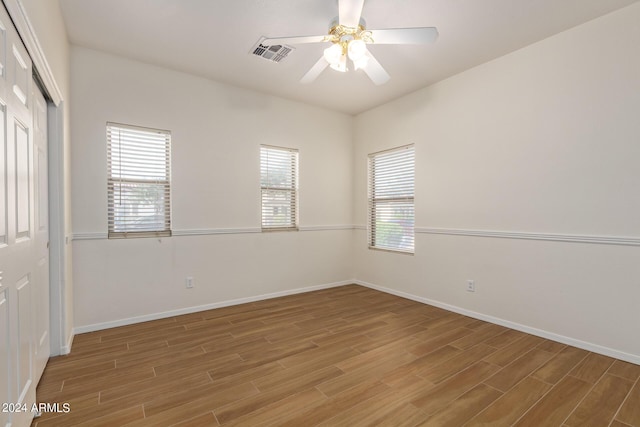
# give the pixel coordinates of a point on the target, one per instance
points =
(61, 309)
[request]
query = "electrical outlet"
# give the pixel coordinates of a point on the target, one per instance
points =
(189, 282)
(471, 286)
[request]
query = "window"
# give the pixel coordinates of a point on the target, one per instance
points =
(391, 190)
(279, 187)
(138, 181)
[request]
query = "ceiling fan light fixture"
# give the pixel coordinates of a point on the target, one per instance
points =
(341, 65)
(360, 63)
(333, 54)
(357, 50)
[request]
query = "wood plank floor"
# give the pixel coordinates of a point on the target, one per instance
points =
(346, 356)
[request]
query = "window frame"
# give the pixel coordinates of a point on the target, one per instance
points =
(293, 190)
(374, 202)
(113, 182)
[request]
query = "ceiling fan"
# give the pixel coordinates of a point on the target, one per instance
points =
(349, 38)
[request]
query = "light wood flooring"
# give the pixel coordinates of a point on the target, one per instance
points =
(346, 356)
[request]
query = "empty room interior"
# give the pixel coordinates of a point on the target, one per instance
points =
(329, 212)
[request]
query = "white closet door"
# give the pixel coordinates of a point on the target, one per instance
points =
(23, 232)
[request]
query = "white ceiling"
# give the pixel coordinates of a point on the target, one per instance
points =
(213, 38)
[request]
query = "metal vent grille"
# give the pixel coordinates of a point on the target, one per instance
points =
(275, 53)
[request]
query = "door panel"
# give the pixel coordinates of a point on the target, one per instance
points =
(24, 178)
(4, 22)
(22, 73)
(24, 338)
(24, 262)
(41, 233)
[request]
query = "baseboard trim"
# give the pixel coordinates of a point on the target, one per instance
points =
(631, 358)
(66, 349)
(194, 309)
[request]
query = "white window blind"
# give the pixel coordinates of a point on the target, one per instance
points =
(279, 187)
(139, 190)
(391, 205)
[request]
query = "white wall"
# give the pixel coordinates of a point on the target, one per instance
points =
(540, 146)
(544, 140)
(216, 133)
(46, 20)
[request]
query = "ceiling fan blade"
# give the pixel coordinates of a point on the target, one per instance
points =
(418, 35)
(315, 71)
(349, 12)
(293, 40)
(374, 70)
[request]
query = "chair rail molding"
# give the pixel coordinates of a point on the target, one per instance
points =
(527, 235)
(554, 237)
(98, 235)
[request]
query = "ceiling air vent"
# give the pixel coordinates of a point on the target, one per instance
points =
(275, 53)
